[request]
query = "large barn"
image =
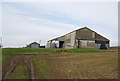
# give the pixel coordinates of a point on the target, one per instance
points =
(81, 38)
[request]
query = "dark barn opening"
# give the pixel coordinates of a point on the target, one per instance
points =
(103, 46)
(61, 44)
(102, 43)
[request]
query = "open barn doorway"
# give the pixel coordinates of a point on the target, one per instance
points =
(103, 46)
(61, 44)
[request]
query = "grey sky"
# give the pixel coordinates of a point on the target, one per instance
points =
(25, 22)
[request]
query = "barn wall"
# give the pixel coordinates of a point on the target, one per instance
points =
(49, 43)
(87, 43)
(97, 36)
(72, 39)
(97, 46)
(83, 43)
(34, 46)
(76, 44)
(85, 33)
(60, 38)
(91, 44)
(69, 40)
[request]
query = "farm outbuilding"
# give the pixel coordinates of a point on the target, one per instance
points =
(34, 45)
(81, 38)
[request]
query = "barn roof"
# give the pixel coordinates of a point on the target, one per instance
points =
(34, 43)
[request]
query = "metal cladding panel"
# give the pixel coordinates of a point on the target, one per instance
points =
(48, 46)
(72, 39)
(97, 36)
(69, 40)
(87, 43)
(91, 44)
(97, 46)
(84, 33)
(34, 46)
(61, 38)
(83, 43)
(49, 43)
(76, 43)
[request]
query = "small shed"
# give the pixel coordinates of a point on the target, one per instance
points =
(34, 45)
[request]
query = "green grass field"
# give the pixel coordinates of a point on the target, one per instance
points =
(66, 63)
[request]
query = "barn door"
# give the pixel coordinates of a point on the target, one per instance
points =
(84, 43)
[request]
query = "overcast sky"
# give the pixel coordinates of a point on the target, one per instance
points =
(25, 22)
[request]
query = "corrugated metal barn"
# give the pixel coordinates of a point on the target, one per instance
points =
(81, 38)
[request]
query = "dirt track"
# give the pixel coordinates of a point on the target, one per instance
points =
(16, 62)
